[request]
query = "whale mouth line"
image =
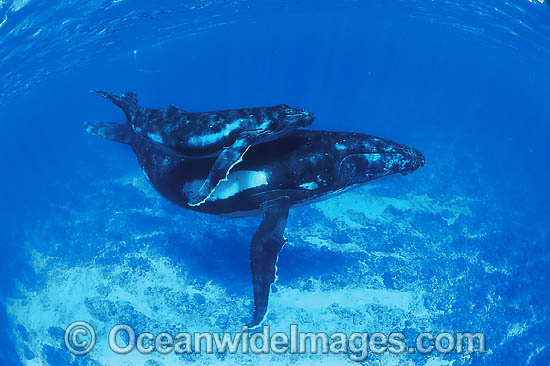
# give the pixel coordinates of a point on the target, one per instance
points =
(295, 114)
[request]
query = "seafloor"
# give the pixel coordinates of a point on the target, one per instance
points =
(437, 250)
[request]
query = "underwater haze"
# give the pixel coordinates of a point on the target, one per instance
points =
(460, 245)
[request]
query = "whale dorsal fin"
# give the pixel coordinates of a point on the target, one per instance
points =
(174, 108)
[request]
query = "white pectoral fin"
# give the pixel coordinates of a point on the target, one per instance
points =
(228, 158)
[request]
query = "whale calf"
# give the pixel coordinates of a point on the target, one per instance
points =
(301, 167)
(226, 134)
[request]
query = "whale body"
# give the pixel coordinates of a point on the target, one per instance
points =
(224, 134)
(301, 167)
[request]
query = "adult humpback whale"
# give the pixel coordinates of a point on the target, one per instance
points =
(226, 134)
(299, 168)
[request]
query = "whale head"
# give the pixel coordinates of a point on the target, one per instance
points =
(287, 118)
(377, 158)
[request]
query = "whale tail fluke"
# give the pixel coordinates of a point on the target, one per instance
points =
(110, 130)
(128, 102)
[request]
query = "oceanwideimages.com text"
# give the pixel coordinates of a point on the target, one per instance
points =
(80, 339)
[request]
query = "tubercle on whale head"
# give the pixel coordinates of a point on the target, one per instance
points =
(415, 160)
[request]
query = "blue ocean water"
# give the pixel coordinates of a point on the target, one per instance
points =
(459, 245)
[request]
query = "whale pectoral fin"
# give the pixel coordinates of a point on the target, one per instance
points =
(264, 252)
(226, 160)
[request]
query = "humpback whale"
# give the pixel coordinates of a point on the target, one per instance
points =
(226, 134)
(299, 168)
